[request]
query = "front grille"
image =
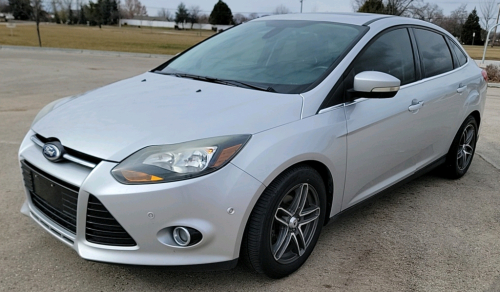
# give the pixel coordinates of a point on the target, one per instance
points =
(54, 198)
(72, 152)
(102, 227)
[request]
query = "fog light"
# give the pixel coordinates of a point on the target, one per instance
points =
(181, 236)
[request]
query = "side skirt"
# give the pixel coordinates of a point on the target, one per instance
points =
(390, 189)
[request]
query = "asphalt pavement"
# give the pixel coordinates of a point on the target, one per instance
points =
(432, 234)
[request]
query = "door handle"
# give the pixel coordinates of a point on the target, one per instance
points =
(415, 106)
(461, 88)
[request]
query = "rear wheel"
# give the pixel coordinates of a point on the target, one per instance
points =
(285, 223)
(462, 150)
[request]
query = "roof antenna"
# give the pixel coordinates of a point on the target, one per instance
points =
(301, 5)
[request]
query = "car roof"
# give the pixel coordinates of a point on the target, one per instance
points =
(349, 18)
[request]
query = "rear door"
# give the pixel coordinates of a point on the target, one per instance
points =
(442, 91)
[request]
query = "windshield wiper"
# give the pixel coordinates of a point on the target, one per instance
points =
(221, 81)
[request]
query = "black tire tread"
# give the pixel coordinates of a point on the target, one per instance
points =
(250, 247)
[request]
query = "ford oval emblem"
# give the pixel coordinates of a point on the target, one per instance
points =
(52, 152)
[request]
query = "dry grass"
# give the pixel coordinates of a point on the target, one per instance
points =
(133, 39)
(124, 39)
(476, 52)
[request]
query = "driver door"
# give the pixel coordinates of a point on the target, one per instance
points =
(382, 139)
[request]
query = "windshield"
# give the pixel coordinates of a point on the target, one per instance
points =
(283, 55)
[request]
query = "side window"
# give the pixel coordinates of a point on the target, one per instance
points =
(434, 53)
(462, 58)
(391, 53)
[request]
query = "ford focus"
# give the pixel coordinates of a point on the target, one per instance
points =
(245, 145)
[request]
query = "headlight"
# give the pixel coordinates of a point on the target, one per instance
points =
(51, 106)
(167, 163)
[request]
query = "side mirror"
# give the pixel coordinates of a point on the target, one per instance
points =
(374, 84)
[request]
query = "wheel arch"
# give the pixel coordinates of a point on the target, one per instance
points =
(476, 116)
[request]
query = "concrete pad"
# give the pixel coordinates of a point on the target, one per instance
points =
(432, 234)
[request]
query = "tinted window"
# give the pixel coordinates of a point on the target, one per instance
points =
(462, 58)
(391, 53)
(287, 55)
(434, 52)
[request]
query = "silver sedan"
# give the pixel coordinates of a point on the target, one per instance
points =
(246, 144)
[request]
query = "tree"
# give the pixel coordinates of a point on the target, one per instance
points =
(426, 12)
(21, 9)
(165, 14)
(398, 7)
(182, 14)
(221, 14)
(281, 9)
(37, 14)
(488, 12)
(134, 8)
(372, 6)
(253, 15)
(194, 15)
(471, 27)
(239, 18)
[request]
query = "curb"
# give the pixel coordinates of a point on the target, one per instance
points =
(495, 85)
(88, 52)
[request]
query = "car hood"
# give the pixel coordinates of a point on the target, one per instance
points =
(152, 109)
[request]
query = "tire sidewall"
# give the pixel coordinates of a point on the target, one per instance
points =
(269, 265)
(452, 156)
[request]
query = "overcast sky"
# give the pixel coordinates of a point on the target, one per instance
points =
(267, 6)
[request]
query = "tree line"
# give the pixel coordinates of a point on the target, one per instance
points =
(464, 26)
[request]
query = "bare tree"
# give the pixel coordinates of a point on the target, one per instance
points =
(165, 14)
(239, 18)
(399, 7)
(203, 18)
(356, 4)
(281, 9)
(37, 13)
(134, 8)
(488, 11)
(194, 15)
(426, 11)
(67, 6)
(454, 22)
(253, 15)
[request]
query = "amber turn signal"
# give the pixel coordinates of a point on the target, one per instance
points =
(135, 176)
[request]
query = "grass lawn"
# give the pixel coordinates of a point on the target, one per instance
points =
(109, 38)
(476, 52)
(133, 39)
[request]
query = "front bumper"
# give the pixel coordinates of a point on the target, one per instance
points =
(146, 211)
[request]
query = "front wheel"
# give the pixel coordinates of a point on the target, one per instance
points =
(285, 223)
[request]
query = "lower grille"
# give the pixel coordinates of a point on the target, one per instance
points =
(102, 227)
(54, 198)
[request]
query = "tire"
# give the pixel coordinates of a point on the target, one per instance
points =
(285, 224)
(459, 157)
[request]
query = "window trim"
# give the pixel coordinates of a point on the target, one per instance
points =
(445, 38)
(328, 103)
(452, 42)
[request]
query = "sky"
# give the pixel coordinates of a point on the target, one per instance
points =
(267, 6)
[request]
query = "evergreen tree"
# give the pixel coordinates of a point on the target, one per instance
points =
(182, 14)
(470, 27)
(221, 14)
(372, 6)
(21, 9)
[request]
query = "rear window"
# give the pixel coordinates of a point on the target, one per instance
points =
(434, 52)
(461, 57)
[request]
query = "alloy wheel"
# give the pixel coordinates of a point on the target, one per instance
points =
(294, 224)
(466, 147)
